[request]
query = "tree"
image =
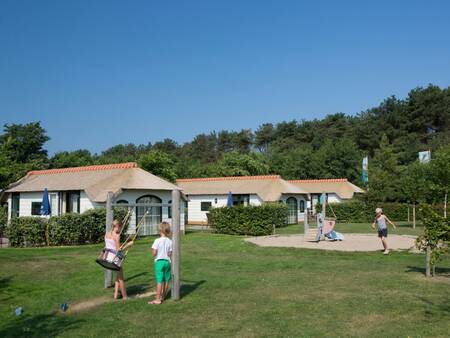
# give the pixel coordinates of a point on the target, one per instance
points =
(24, 142)
(338, 159)
(236, 164)
(159, 164)
(440, 174)
(384, 174)
(243, 141)
(123, 153)
(415, 184)
(264, 135)
(66, 159)
(296, 163)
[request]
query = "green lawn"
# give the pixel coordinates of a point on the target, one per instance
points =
(230, 288)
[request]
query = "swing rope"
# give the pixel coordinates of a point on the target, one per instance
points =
(132, 237)
(331, 208)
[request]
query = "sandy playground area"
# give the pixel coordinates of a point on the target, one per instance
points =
(352, 242)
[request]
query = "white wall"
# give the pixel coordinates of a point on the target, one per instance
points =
(132, 195)
(26, 198)
(300, 215)
(197, 216)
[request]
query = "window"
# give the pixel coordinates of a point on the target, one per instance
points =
(169, 210)
(73, 201)
(15, 203)
(241, 199)
(53, 197)
(302, 206)
(152, 218)
(204, 206)
(122, 202)
(36, 208)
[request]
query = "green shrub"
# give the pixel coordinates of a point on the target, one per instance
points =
(3, 219)
(248, 220)
(88, 227)
(27, 231)
(66, 229)
(360, 211)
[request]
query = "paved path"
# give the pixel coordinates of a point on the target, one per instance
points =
(352, 242)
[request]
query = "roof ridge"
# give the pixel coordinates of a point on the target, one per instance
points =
(320, 180)
(99, 167)
(228, 178)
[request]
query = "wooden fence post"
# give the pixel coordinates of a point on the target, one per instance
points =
(176, 244)
(109, 219)
(414, 215)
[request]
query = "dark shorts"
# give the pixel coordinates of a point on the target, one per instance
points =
(382, 233)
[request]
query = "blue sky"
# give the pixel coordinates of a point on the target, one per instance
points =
(99, 73)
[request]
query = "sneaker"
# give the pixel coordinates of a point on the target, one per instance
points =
(386, 252)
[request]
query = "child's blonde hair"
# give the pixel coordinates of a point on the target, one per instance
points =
(116, 222)
(164, 227)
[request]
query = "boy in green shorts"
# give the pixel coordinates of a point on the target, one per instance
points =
(162, 251)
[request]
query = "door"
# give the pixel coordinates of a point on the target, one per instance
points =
(292, 210)
(152, 218)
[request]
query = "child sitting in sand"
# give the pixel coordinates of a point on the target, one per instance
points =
(380, 221)
(162, 251)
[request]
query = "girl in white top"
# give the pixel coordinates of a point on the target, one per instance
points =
(112, 242)
(162, 252)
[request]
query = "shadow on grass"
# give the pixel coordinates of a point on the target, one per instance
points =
(4, 284)
(188, 287)
(441, 272)
(137, 289)
(48, 325)
(136, 276)
(433, 309)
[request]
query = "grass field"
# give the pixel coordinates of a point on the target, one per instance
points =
(229, 288)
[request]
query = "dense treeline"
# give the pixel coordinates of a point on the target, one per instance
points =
(391, 134)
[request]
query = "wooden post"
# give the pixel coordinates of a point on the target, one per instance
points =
(176, 244)
(428, 262)
(324, 205)
(409, 219)
(109, 220)
(414, 215)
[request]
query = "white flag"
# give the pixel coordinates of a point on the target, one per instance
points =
(424, 156)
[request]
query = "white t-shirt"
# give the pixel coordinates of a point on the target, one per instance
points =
(163, 247)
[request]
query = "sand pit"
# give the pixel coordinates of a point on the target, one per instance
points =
(352, 242)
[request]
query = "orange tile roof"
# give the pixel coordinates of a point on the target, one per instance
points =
(322, 180)
(86, 168)
(229, 178)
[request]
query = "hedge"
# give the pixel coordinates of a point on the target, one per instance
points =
(360, 211)
(248, 220)
(3, 218)
(27, 231)
(67, 229)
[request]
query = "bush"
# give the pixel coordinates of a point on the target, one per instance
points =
(67, 229)
(27, 231)
(248, 220)
(3, 219)
(360, 211)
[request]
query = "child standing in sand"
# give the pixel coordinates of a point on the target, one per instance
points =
(380, 220)
(162, 251)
